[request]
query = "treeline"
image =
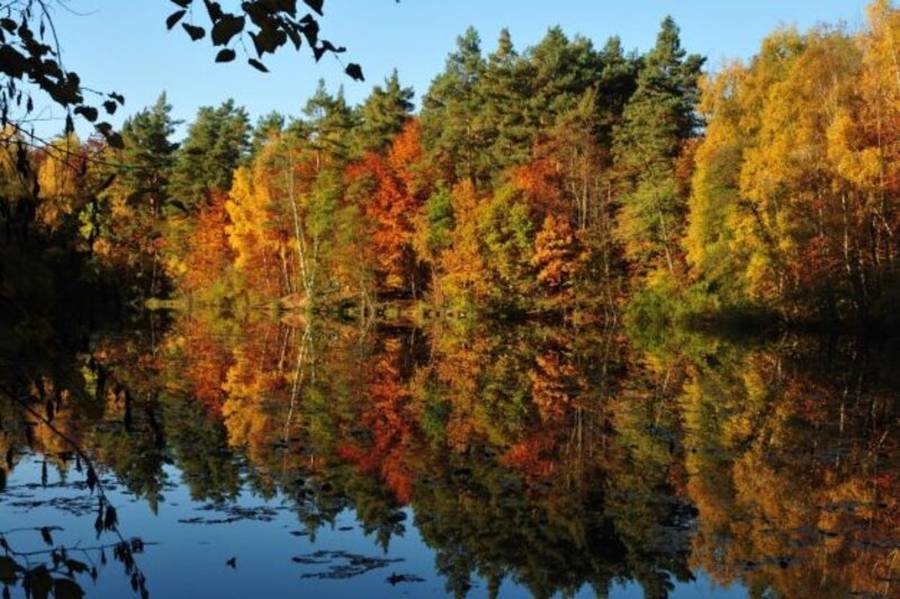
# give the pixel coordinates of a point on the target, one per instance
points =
(564, 178)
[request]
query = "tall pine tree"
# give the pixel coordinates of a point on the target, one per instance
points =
(383, 114)
(449, 125)
(217, 141)
(658, 119)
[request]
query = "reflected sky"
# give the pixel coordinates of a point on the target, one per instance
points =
(190, 560)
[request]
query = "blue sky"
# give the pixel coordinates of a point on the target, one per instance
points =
(123, 45)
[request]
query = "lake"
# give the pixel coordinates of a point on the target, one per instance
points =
(201, 454)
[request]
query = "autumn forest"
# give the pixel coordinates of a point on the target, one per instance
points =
(562, 180)
(639, 305)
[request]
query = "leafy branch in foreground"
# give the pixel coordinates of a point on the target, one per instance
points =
(31, 64)
(31, 57)
(270, 25)
(56, 569)
(107, 521)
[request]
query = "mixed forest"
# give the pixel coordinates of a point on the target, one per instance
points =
(545, 295)
(564, 180)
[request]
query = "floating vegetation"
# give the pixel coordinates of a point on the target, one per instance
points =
(341, 564)
(233, 513)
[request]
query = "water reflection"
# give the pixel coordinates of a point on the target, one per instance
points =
(532, 459)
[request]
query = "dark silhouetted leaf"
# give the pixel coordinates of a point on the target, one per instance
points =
(91, 475)
(75, 566)
(12, 62)
(115, 140)
(316, 5)
(110, 106)
(310, 30)
(257, 65)
(88, 112)
(98, 522)
(294, 33)
(195, 32)
(332, 48)
(38, 582)
(226, 28)
(326, 46)
(46, 536)
(8, 569)
(268, 40)
(214, 9)
(226, 55)
(64, 588)
(112, 519)
(355, 71)
(173, 18)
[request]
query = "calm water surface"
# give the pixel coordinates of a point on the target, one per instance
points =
(213, 456)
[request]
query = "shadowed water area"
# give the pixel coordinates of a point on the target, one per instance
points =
(196, 454)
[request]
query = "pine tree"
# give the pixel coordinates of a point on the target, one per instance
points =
(658, 119)
(563, 70)
(141, 191)
(449, 110)
(266, 127)
(505, 90)
(217, 141)
(616, 84)
(383, 115)
(149, 156)
(328, 125)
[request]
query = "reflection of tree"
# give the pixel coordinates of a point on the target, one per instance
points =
(651, 517)
(391, 431)
(256, 387)
(45, 408)
(793, 472)
(530, 405)
(548, 455)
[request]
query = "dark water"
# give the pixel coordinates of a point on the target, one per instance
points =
(239, 457)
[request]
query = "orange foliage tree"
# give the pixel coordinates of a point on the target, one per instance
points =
(209, 253)
(390, 192)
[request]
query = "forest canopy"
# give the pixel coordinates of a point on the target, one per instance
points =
(560, 179)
